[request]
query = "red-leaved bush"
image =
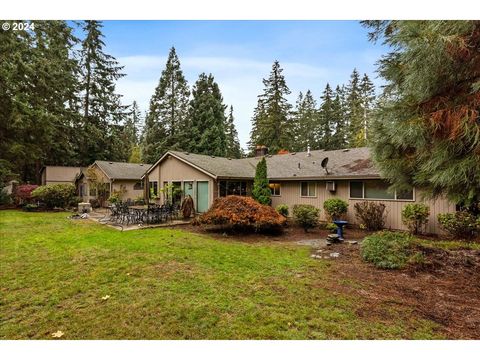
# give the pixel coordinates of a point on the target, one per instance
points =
(23, 193)
(241, 213)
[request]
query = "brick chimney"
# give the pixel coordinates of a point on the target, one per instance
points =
(261, 150)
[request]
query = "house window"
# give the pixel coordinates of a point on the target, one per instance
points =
(232, 188)
(153, 186)
(275, 188)
(308, 189)
(82, 191)
(356, 189)
(138, 186)
(376, 190)
(93, 191)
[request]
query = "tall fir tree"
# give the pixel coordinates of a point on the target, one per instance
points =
(306, 122)
(327, 119)
(233, 144)
(102, 109)
(339, 120)
(354, 115)
(271, 125)
(166, 126)
(206, 119)
(38, 87)
(367, 95)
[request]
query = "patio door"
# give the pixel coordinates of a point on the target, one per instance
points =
(202, 196)
(188, 189)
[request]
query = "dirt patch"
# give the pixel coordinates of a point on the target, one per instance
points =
(445, 289)
(291, 234)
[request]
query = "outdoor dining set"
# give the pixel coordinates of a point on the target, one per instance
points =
(126, 214)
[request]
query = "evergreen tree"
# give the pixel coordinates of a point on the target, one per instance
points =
(261, 191)
(38, 88)
(233, 144)
(166, 120)
(367, 96)
(339, 124)
(102, 110)
(206, 121)
(135, 155)
(271, 122)
(306, 122)
(426, 131)
(327, 119)
(354, 115)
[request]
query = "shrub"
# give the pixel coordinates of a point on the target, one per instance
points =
(372, 215)
(23, 193)
(30, 207)
(335, 208)
(95, 203)
(261, 189)
(56, 195)
(282, 209)
(306, 215)
(415, 216)
(331, 227)
(460, 225)
(5, 198)
(114, 197)
(389, 250)
(240, 212)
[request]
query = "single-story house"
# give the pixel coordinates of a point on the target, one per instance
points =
(295, 178)
(59, 174)
(125, 178)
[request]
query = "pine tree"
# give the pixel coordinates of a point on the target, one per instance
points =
(327, 119)
(166, 121)
(233, 144)
(271, 122)
(338, 122)
(367, 96)
(102, 109)
(38, 88)
(354, 115)
(426, 130)
(206, 119)
(261, 191)
(306, 120)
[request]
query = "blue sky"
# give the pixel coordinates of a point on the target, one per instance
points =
(240, 54)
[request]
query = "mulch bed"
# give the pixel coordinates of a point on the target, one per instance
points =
(445, 289)
(290, 233)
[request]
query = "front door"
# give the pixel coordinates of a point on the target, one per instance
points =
(202, 196)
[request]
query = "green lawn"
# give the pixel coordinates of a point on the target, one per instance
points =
(169, 284)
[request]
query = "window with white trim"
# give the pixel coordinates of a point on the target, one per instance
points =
(376, 190)
(308, 189)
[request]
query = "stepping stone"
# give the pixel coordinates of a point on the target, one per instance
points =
(352, 242)
(334, 255)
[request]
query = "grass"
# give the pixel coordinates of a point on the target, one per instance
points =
(169, 284)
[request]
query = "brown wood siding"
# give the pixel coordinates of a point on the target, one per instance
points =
(290, 195)
(171, 169)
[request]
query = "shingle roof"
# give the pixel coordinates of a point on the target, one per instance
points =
(347, 163)
(121, 170)
(62, 173)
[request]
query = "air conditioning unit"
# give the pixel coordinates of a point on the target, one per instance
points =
(330, 186)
